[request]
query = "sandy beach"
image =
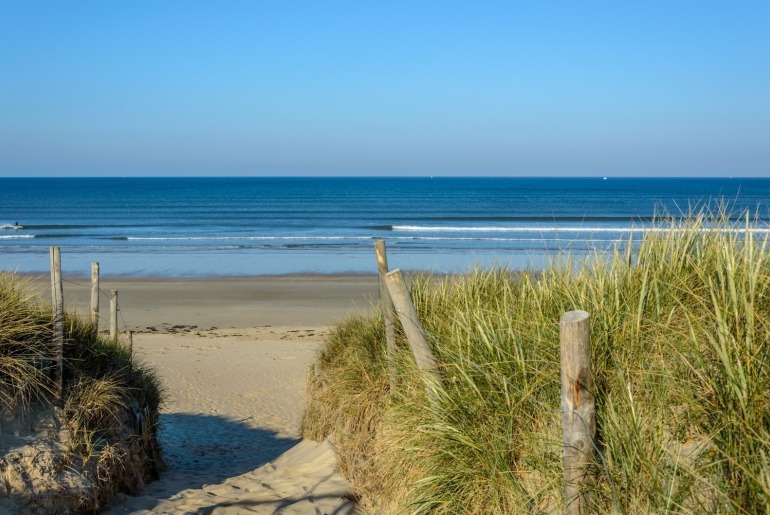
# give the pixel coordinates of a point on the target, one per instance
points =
(233, 355)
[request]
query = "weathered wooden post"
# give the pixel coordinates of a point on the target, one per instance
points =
(578, 410)
(57, 308)
(410, 321)
(131, 353)
(114, 314)
(95, 295)
(386, 305)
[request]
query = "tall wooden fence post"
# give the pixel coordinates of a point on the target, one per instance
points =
(114, 314)
(410, 321)
(578, 410)
(95, 295)
(386, 305)
(57, 307)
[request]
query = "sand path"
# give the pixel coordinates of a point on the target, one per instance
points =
(234, 404)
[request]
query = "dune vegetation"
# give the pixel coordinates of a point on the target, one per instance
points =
(74, 452)
(680, 331)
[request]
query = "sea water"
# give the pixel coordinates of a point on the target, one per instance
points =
(186, 227)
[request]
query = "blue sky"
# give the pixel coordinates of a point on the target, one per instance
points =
(384, 88)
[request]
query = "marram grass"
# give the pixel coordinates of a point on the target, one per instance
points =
(680, 330)
(100, 375)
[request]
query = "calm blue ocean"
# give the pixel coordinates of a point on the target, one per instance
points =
(181, 227)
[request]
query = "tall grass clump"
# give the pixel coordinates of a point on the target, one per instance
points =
(680, 330)
(105, 391)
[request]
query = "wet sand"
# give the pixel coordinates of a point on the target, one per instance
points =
(303, 300)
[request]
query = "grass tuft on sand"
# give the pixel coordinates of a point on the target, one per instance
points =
(680, 330)
(108, 411)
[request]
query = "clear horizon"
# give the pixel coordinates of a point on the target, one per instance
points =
(437, 176)
(445, 89)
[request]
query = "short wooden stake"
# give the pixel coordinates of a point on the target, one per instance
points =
(114, 314)
(57, 307)
(578, 410)
(95, 295)
(131, 353)
(410, 320)
(386, 304)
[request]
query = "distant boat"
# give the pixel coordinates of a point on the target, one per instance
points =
(9, 226)
(604, 178)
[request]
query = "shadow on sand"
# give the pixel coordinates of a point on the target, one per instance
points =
(204, 449)
(216, 447)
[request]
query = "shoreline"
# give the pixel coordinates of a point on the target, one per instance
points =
(224, 277)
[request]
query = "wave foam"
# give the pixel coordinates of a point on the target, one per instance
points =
(16, 236)
(430, 228)
(245, 238)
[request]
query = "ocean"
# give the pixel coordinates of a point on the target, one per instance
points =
(197, 227)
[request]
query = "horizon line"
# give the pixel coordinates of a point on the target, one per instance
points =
(434, 176)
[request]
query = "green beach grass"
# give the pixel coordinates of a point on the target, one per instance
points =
(680, 330)
(104, 388)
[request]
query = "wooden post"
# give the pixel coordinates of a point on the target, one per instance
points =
(131, 353)
(578, 409)
(95, 295)
(57, 308)
(114, 314)
(386, 304)
(407, 314)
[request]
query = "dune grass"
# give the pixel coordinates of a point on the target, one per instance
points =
(680, 330)
(101, 381)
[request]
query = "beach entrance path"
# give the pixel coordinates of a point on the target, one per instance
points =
(230, 426)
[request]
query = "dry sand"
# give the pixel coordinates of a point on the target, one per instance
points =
(233, 355)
